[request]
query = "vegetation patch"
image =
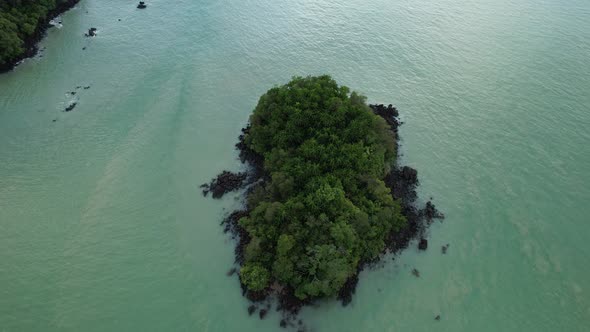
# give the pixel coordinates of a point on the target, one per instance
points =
(325, 195)
(22, 24)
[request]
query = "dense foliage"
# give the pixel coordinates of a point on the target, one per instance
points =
(19, 20)
(325, 207)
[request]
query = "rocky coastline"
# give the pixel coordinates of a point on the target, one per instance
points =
(30, 44)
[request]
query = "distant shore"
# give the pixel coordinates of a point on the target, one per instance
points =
(30, 43)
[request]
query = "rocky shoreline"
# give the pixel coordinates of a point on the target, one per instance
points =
(30, 44)
(402, 181)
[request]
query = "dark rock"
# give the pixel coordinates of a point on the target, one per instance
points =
(141, 5)
(423, 245)
(224, 183)
(389, 114)
(251, 309)
(348, 289)
(445, 248)
(289, 303)
(73, 93)
(231, 272)
(430, 212)
(262, 313)
(70, 107)
(283, 323)
(437, 317)
(87, 87)
(403, 182)
(91, 32)
(256, 296)
(84, 48)
(416, 273)
(54, 120)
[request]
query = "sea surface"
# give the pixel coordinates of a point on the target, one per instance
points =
(103, 226)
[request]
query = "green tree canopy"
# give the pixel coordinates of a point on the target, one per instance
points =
(325, 207)
(19, 20)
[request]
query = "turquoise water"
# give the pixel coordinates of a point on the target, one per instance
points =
(102, 224)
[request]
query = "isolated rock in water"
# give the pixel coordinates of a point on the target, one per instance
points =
(141, 5)
(445, 248)
(416, 273)
(251, 309)
(437, 317)
(91, 32)
(262, 313)
(71, 107)
(87, 87)
(423, 245)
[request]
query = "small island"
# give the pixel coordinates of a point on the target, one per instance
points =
(23, 24)
(325, 194)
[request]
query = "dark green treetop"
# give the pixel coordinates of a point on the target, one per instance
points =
(326, 207)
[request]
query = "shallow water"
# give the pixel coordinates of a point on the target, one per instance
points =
(102, 224)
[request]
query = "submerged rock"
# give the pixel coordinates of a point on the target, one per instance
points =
(430, 212)
(91, 32)
(416, 273)
(224, 183)
(70, 107)
(423, 245)
(141, 5)
(445, 248)
(251, 309)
